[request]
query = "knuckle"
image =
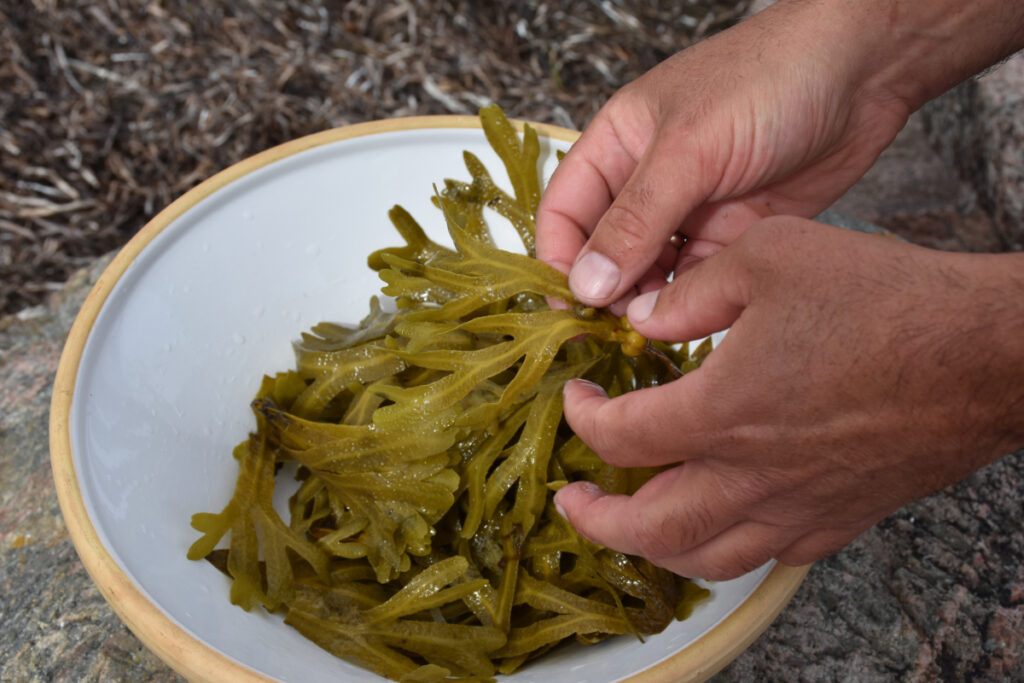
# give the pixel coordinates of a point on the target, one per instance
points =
(659, 535)
(604, 434)
(754, 485)
(625, 218)
(691, 524)
(651, 541)
(735, 563)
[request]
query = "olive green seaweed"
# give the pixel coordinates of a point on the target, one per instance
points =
(427, 441)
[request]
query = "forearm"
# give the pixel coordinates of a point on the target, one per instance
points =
(928, 46)
(910, 50)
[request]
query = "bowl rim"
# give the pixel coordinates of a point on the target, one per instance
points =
(170, 641)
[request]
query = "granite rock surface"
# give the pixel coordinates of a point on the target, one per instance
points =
(978, 127)
(56, 625)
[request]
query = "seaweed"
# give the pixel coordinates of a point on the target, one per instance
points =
(423, 542)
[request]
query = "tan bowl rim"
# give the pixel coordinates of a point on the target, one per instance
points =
(185, 653)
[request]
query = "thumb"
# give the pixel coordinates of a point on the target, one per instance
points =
(703, 299)
(628, 239)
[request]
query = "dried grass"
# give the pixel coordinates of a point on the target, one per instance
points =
(110, 109)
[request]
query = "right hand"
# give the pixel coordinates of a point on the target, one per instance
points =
(859, 374)
(778, 115)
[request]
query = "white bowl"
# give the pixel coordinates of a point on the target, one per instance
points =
(154, 384)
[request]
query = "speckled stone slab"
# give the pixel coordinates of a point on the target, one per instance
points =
(936, 592)
(56, 625)
(979, 129)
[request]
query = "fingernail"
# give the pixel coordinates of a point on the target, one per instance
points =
(593, 386)
(557, 304)
(641, 307)
(591, 489)
(594, 277)
(587, 488)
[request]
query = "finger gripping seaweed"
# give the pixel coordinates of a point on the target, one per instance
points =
(422, 542)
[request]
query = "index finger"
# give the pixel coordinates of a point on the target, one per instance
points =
(581, 189)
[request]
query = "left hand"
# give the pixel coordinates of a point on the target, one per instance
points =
(780, 114)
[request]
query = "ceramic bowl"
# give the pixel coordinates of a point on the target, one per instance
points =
(154, 384)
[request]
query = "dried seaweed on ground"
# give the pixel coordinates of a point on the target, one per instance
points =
(111, 109)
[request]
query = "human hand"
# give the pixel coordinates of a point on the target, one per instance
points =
(774, 116)
(859, 373)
